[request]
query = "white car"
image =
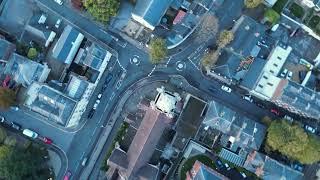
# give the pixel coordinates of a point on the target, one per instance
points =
(57, 25)
(310, 129)
(30, 133)
(99, 96)
(289, 75)
(226, 89)
(248, 98)
(96, 104)
(284, 73)
(60, 2)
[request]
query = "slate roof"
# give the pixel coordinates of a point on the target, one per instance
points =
(145, 141)
(151, 11)
(76, 87)
(6, 49)
(247, 132)
(231, 157)
(200, 171)
(53, 104)
(252, 76)
(300, 99)
(67, 45)
(270, 169)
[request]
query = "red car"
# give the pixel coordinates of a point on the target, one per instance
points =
(47, 140)
(67, 176)
(275, 111)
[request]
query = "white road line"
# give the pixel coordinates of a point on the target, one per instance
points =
(154, 68)
(194, 64)
(168, 60)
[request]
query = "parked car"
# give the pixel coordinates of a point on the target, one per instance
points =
(107, 81)
(91, 113)
(226, 89)
(219, 164)
(15, 126)
(96, 104)
(310, 129)
(99, 96)
(60, 2)
(243, 174)
(275, 111)
(57, 25)
(84, 161)
(284, 73)
(2, 119)
(248, 98)
(30, 133)
(67, 176)
(289, 75)
(16, 108)
(47, 140)
(288, 118)
(227, 166)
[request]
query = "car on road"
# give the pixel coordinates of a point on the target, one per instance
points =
(248, 98)
(107, 81)
(289, 75)
(2, 119)
(226, 88)
(284, 73)
(275, 111)
(30, 133)
(60, 2)
(91, 113)
(57, 25)
(84, 161)
(16, 108)
(47, 140)
(67, 176)
(310, 129)
(99, 96)
(15, 126)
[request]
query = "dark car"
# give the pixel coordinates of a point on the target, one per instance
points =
(107, 81)
(275, 111)
(90, 114)
(15, 126)
(219, 164)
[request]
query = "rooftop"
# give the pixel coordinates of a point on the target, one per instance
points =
(68, 44)
(150, 12)
(246, 133)
(200, 171)
(50, 103)
(6, 49)
(269, 169)
(76, 87)
(25, 71)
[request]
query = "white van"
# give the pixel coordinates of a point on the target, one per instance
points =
(60, 2)
(30, 133)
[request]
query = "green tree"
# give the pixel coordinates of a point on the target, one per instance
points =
(208, 27)
(32, 53)
(158, 50)
(7, 98)
(293, 142)
(225, 38)
(102, 10)
(252, 3)
(3, 135)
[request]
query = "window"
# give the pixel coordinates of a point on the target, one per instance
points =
(265, 77)
(276, 65)
(270, 84)
(279, 58)
(260, 86)
(272, 71)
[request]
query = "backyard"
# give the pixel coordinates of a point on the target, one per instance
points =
(278, 7)
(314, 21)
(296, 10)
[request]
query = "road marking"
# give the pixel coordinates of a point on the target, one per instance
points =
(168, 60)
(193, 64)
(154, 68)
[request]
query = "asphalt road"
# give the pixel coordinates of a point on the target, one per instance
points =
(79, 144)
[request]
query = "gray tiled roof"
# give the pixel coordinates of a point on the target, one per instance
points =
(253, 73)
(6, 48)
(302, 99)
(247, 132)
(151, 10)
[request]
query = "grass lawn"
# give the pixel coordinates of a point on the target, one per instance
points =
(272, 16)
(278, 7)
(189, 163)
(121, 132)
(314, 21)
(296, 10)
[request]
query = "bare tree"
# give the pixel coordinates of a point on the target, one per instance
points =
(208, 27)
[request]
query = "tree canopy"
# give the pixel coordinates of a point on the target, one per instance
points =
(252, 3)
(102, 10)
(7, 98)
(293, 142)
(158, 50)
(210, 59)
(32, 53)
(208, 27)
(225, 38)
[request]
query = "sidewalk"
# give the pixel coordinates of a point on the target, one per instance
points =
(54, 162)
